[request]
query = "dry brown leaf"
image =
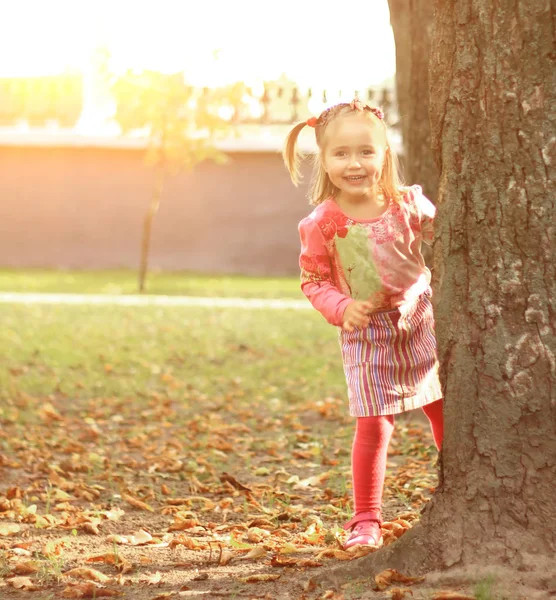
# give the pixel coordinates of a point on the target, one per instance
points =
(140, 537)
(87, 574)
(22, 583)
(153, 579)
(400, 593)
(91, 527)
(447, 595)
(137, 503)
(332, 595)
(403, 523)
(262, 523)
(283, 561)
(49, 413)
(359, 551)
(263, 577)
(256, 553)
(117, 539)
(9, 529)
(26, 568)
(183, 524)
(89, 590)
(256, 535)
(389, 576)
(225, 557)
(225, 477)
(188, 542)
(112, 559)
(334, 553)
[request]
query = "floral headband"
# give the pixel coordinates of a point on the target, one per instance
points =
(355, 104)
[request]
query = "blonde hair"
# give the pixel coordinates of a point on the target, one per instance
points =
(321, 187)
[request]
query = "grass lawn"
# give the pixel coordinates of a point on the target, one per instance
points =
(125, 282)
(219, 437)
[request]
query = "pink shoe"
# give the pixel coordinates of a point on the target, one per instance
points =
(365, 530)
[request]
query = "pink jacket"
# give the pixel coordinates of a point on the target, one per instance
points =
(379, 260)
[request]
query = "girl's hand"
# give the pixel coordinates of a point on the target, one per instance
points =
(356, 315)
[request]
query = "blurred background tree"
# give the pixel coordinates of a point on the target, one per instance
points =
(182, 125)
(412, 22)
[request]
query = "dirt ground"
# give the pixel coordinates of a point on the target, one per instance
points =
(92, 507)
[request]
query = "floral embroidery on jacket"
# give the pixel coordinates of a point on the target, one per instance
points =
(378, 260)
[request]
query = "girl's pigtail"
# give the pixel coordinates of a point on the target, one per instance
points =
(290, 154)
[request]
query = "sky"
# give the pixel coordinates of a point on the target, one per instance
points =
(316, 43)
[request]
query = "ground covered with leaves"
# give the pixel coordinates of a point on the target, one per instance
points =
(166, 453)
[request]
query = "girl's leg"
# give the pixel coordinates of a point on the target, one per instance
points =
(368, 460)
(434, 412)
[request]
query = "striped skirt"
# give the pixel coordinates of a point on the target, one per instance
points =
(392, 365)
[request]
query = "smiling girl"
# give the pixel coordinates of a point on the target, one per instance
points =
(362, 269)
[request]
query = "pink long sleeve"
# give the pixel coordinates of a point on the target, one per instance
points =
(316, 274)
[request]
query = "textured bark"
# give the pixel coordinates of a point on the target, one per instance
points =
(412, 22)
(492, 103)
(492, 108)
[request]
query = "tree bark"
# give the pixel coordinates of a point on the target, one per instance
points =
(492, 108)
(148, 223)
(412, 22)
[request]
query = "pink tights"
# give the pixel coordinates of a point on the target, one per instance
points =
(370, 447)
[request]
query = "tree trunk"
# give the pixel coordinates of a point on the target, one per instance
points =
(492, 103)
(412, 22)
(492, 107)
(147, 226)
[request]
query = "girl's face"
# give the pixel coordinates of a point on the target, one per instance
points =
(354, 148)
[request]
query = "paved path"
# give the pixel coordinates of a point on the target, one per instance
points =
(20, 298)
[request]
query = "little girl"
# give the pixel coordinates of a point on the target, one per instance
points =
(362, 268)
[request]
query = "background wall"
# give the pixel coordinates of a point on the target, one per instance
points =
(84, 208)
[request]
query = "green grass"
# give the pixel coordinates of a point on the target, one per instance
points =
(91, 351)
(125, 282)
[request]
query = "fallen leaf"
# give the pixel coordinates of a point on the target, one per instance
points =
(447, 595)
(114, 514)
(137, 503)
(183, 524)
(117, 539)
(111, 558)
(389, 576)
(49, 413)
(140, 537)
(26, 568)
(91, 527)
(225, 477)
(9, 529)
(262, 523)
(225, 557)
(153, 579)
(283, 561)
(188, 542)
(334, 553)
(257, 552)
(400, 593)
(87, 574)
(89, 590)
(314, 481)
(22, 583)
